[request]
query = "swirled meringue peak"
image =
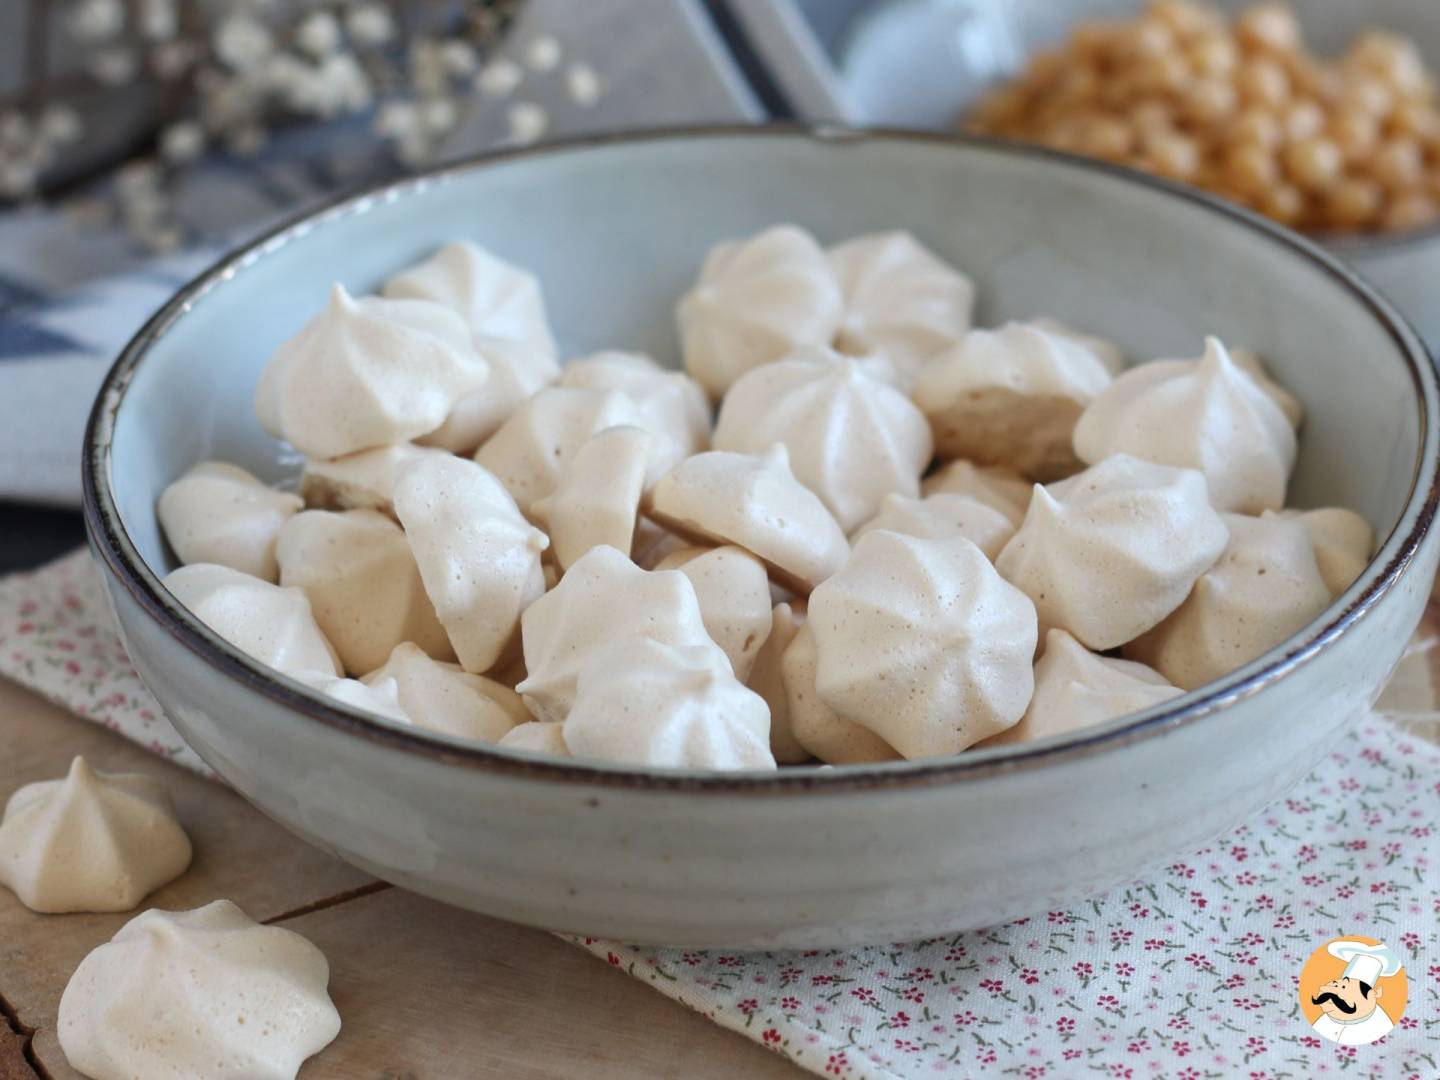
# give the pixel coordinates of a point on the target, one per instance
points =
(274, 625)
(603, 597)
(673, 406)
(531, 450)
(754, 502)
(757, 300)
(208, 992)
(1265, 587)
(597, 500)
(1010, 397)
(1248, 360)
(642, 702)
(901, 299)
(1107, 554)
(814, 726)
(1110, 354)
(445, 697)
(922, 642)
(767, 680)
(997, 487)
(367, 372)
(478, 556)
(381, 697)
(218, 513)
(357, 568)
(1205, 414)
(359, 481)
(734, 594)
(1343, 543)
(943, 515)
(538, 737)
(93, 841)
(851, 438)
(1075, 688)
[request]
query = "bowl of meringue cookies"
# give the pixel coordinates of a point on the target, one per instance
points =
(767, 538)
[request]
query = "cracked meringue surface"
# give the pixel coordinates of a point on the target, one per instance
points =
(814, 726)
(1265, 586)
(1109, 553)
(93, 841)
(219, 513)
(943, 514)
(367, 372)
(478, 557)
(851, 438)
(597, 499)
(734, 595)
(445, 697)
(1207, 414)
(757, 300)
(642, 702)
(208, 992)
(922, 642)
(1010, 396)
(361, 481)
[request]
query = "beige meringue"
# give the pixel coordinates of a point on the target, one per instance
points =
(357, 568)
(531, 450)
(597, 499)
(218, 513)
(603, 597)
(642, 702)
(734, 594)
(815, 727)
(478, 556)
(653, 544)
(997, 487)
(1249, 361)
(673, 406)
(1107, 554)
(204, 993)
(1110, 354)
(274, 625)
(1205, 414)
(516, 372)
(367, 372)
(538, 737)
(1265, 586)
(1343, 543)
(1075, 688)
(901, 300)
(851, 438)
(767, 679)
(757, 300)
(381, 697)
(1010, 397)
(754, 502)
(445, 697)
(940, 515)
(361, 481)
(922, 642)
(92, 842)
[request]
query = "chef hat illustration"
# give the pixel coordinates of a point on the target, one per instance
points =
(1367, 963)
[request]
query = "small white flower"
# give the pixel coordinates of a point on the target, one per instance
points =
(318, 34)
(370, 24)
(460, 59)
(438, 115)
(159, 20)
(346, 84)
(60, 124)
(543, 53)
(528, 122)
(182, 141)
(242, 42)
(584, 85)
(499, 77)
(395, 118)
(96, 20)
(17, 178)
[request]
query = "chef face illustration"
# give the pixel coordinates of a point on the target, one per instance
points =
(1351, 1004)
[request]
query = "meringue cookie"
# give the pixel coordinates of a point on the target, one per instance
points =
(1106, 350)
(360, 481)
(754, 502)
(91, 842)
(734, 595)
(1248, 361)
(901, 299)
(516, 372)
(654, 544)
(364, 587)
(531, 450)
(673, 406)
(381, 697)
(767, 680)
(218, 513)
(995, 486)
(940, 515)
(539, 737)
(642, 702)
(1265, 587)
(1075, 688)
(367, 372)
(478, 556)
(274, 625)
(1343, 543)
(922, 642)
(851, 438)
(1205, 414)
(815, 727)
(597, 499)
(445, 697)
(757, 300)
(207, 992)
(1107, 554)
(603, 597)
(1010, 397)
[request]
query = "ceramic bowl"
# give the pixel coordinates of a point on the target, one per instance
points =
(809, 857)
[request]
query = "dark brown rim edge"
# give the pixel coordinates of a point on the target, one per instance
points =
(111, 542)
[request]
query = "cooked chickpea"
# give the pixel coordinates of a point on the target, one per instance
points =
(1285, 203)
(1391, 58)
(1263, 82)
(1176, 156)
(1302, 120)
(1399, 164)
(1213, 56)
(1105, 137)
(1250, 168)
(1207, 102)
(1268, 27)
(1369, 93)
(1313, 163)
(1355, 131)
(1257, 126)
(1187, 19)
(1418, 119)
(1149, 38)
(1354, 202)
(1164, 73)
(1413, 211)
